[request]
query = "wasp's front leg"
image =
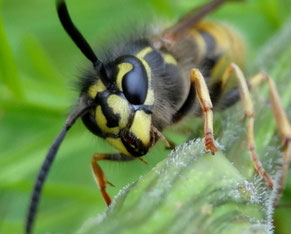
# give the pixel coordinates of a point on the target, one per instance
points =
(202, 94)
(99, 174)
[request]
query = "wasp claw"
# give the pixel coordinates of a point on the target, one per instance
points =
(285, 142)
(209, 143)
(107, 182)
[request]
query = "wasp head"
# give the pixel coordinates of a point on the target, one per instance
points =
(123, 101)
(119, 94)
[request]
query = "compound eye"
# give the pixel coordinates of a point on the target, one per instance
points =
(135, 85)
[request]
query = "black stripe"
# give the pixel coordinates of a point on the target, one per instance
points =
(111, 117)
(209, 42)
(119, 157)
(188, 104)
(210, 58)
(155, 60)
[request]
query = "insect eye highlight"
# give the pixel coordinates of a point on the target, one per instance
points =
(135, 85)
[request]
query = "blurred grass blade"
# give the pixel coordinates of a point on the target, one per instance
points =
(271, 10)
(40, 63)
(8, 69)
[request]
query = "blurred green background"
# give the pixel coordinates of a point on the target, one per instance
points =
(38, 68)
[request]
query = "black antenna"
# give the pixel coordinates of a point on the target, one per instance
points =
(74, 33)
(79, 40)
(47, 164)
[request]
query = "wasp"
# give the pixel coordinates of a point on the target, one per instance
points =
(149, 83)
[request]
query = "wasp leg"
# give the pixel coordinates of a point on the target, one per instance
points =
(99, 174)
(206, 106)
(249, 113)
(169, 144)
(281, 121)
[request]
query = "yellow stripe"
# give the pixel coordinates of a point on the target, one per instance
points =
(95, 88)
(201, 46)
(123, 69)
(102, 122)
(228, 44)
(144, 52)
(150, 94)
(140, 55)
(217, 34)
(169, 59)
(119, 107)
(117, 143)
(141, 126)
(226, 40)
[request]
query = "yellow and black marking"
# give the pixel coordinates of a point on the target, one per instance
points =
(215, 46)
(148, 84)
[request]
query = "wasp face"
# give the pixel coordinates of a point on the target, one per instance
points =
(122, 107)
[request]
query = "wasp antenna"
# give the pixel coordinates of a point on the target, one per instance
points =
(47, 164)
(75, 34)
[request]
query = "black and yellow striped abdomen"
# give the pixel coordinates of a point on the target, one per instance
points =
(222, 43)
(210, 47)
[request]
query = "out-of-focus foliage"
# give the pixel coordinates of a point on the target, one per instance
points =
(38, 68)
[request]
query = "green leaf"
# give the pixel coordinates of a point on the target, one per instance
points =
(194, 192)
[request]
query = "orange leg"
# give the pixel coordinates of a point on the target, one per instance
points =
(281, 121)
(99, 174)
(249, 113)
(206, 106)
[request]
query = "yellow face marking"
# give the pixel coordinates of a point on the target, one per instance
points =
(150, 98)
(119, 106)
(102, 122)
(141, 126)
(169, 59)
(95, 88)
(117, 143)
(123, 69)
(144, 52)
